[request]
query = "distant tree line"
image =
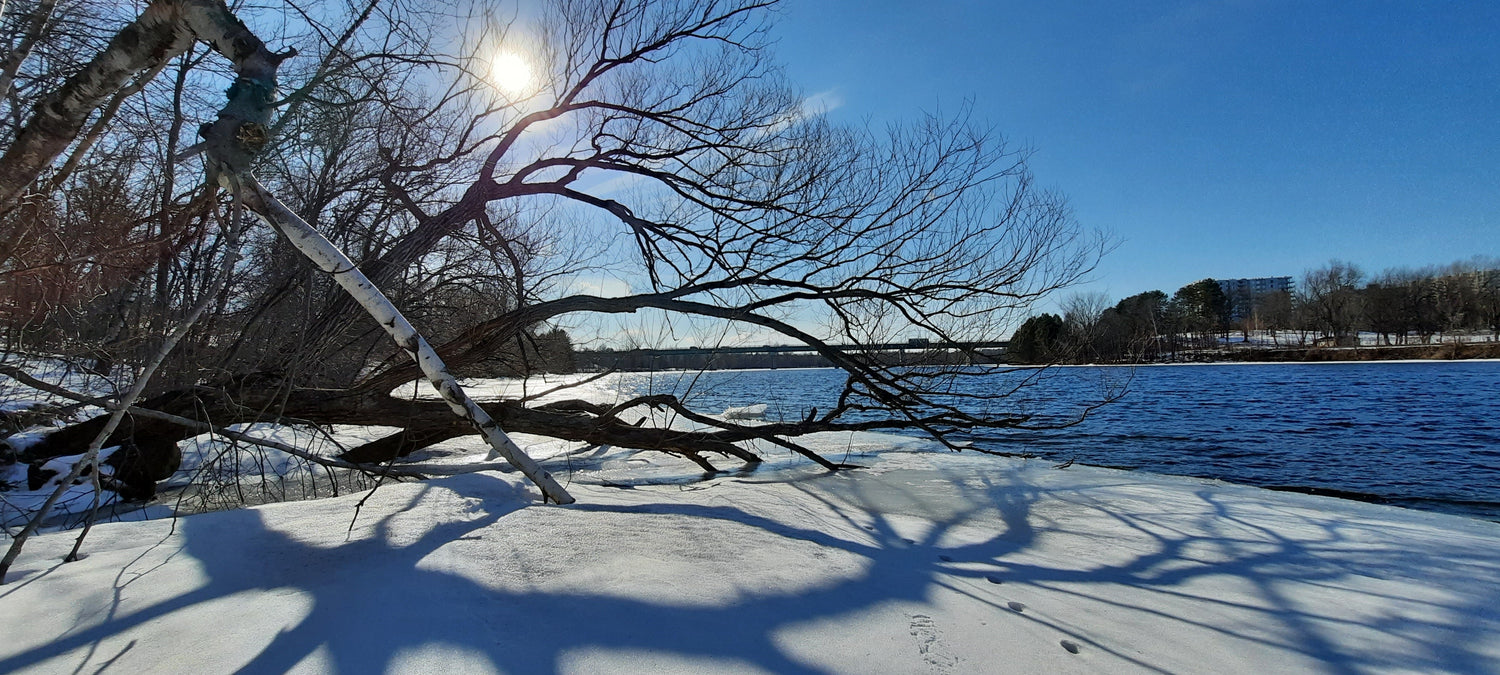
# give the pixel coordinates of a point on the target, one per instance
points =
(1330, 306)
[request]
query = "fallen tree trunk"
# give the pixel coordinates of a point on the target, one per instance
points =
(332, 261)
(267, 398)
(424, 422)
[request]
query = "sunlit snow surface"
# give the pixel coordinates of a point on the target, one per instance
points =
(923, 561)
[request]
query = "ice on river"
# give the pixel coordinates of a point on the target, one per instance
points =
(749, 412)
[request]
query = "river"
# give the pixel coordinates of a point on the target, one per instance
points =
(1421, 435)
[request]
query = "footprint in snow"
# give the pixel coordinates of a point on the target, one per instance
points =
(993, 579)
(945, 558)
(930, 644)
(1016, 606)
(1070, 645)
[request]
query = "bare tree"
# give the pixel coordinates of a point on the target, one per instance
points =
(744, 207)
(1082, 312)
(1274, 312)
(1383, 300)
(231, 144)
(1331, 297)
(1488, 304)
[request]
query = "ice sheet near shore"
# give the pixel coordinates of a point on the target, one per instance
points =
(924, 562)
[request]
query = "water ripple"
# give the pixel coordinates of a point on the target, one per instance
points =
(1405, 433)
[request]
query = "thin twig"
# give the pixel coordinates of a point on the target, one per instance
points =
(91, 456)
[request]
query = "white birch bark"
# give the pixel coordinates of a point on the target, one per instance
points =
(331, 260)
(164, 29)
(11, 64)
(154, 36)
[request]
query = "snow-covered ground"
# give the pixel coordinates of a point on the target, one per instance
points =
(923, 562)
(17, 396)
(1293, 339)
(214, 474)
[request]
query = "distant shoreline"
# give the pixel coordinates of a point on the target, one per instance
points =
(1452, 351)
(1448, 351)
(1247, 362)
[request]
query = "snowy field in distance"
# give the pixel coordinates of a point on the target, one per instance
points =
(1286, 339)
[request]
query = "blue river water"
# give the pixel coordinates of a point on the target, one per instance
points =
(1420, 435)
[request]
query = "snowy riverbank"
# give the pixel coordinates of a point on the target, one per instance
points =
(923, 562)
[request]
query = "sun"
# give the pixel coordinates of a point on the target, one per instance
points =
(511, 73)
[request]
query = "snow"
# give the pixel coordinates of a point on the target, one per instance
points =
(15, 396)
(252, 474)
(749, 412)
(921, 562)
(239, 473)
(1291, 339)
(537, 390)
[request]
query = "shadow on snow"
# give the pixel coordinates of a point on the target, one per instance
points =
(371, 599)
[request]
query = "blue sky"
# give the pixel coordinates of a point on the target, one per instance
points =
(1213, 139)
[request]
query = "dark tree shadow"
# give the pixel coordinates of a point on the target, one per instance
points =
(372, 599)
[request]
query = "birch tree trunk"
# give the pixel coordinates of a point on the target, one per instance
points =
(165, 29)
(11, 64)
(154, 37)
(331, 260)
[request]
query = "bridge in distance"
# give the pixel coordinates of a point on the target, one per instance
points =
(910, 345)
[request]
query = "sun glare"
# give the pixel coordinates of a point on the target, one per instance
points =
(510, 73)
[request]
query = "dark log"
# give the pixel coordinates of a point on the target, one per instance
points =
(264, 398)
(402, 443)
(134, 469)
(150, 451)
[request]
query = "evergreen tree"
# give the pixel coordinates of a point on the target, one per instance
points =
(1038, 340)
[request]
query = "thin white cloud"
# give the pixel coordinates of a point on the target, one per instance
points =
(604, 287)
(617, 182)
(822, 103)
